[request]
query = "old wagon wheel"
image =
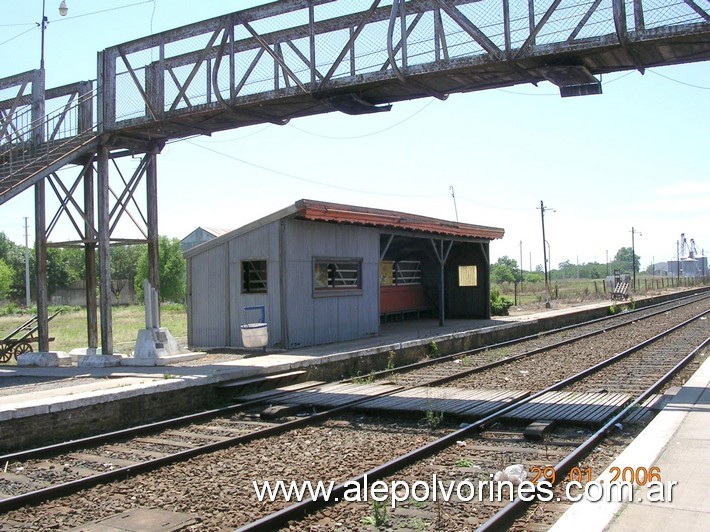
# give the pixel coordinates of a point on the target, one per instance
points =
(23, 347)
(5, 352)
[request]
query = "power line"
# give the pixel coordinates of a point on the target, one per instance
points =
(366, 134)
(33, 24)
(680, 82)
(306, 180)
(18, 35)
(211, 141)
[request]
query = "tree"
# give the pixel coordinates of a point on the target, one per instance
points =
(124, 265)
(6, 275)
(505, 270)
(624, 260)
(64, 266)
(534, 277)
(5, 246)
(14, 257)
(172, 270)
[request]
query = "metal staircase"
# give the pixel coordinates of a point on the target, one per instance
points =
(24, 161)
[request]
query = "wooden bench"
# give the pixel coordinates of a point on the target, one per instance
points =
(621, 291)
(398, 300)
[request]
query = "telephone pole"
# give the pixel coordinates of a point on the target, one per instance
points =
(544, 252)
(633, 255)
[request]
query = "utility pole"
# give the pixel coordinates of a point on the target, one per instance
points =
(521, 267)
(633, 255)
(453, 195)
(27, 265)
(544, 253)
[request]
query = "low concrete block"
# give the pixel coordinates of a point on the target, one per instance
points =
(99, 361)
(81, 351)
(51, 359)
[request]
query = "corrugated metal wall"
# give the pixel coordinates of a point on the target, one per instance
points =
(318, 320)
(208, 299)
(216, 300)
(259, 244)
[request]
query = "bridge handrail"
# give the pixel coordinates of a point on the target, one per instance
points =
(34, 140)
(308, 46)
(25, 133)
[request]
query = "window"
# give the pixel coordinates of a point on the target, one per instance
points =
(400, 272)
(253, 276)
(337, 274)
(468, 276)
(408, 272)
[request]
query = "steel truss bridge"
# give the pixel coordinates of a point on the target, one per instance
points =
(290, 59)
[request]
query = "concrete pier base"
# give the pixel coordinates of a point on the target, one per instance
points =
(51, 359)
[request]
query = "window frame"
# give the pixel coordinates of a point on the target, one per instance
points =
(475, 275)
(331, 291)
(248, 264)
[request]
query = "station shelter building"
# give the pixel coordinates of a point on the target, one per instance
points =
(326, 272)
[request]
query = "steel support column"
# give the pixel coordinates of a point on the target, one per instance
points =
(92, 333)
(442, 256)
(152, 207)
(41, 269)
(104, 252)
(487, 277)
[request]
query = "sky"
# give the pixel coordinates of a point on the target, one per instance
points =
(633, 157)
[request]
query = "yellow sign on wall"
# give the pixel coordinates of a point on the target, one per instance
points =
(386, 273)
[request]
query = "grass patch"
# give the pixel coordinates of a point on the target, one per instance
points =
(69, 328)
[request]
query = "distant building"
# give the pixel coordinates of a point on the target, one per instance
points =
(327, 272)
(689, 267)
(199, 236)
(661, 269)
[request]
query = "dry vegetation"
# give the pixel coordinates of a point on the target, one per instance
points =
(69, 328)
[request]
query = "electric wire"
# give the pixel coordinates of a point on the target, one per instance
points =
(102, 11)
(678, 81)
(307, 180)
(152, 15)
(211, 141)
(18, 35)
(35, 24)
(364, 135)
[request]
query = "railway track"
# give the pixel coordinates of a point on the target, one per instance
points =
(456, 366)
(686, 339)
(80, 468)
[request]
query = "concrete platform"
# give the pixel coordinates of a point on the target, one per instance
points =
(106, 398)
(677, 442)
(84, 386)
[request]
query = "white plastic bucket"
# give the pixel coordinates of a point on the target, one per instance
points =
(255, 335)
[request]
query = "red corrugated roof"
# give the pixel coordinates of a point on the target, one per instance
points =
(349, 214)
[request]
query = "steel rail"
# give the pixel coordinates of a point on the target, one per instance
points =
(139, 430)
(47, 493)
(199, 416)
(122, 473)
(515, 509)
(148, 428)
(299, 509)
(419, 365)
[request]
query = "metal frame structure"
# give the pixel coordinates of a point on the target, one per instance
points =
(296, 58)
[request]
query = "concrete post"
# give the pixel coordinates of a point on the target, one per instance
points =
(148, 301)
